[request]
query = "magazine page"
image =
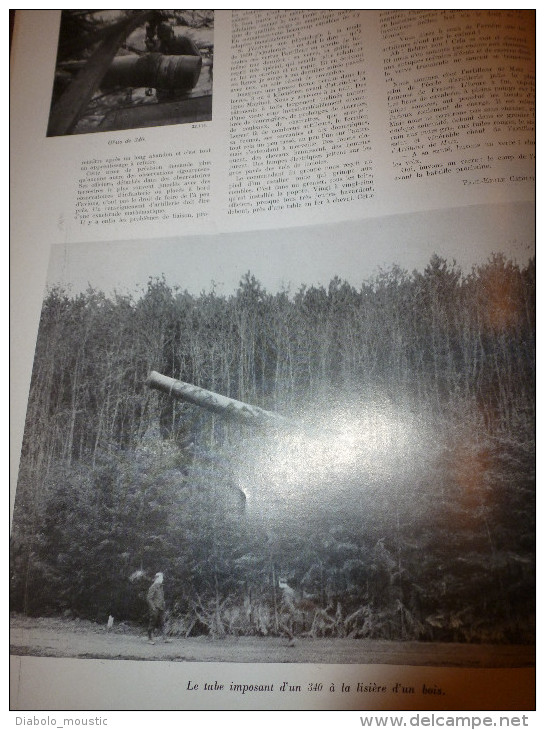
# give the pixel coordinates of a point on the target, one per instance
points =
(463, 102)
(343, 114)
(275, 360)
(295, 117)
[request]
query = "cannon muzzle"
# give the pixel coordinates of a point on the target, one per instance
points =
(222, 405)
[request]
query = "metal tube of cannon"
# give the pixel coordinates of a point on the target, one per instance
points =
(214, 402)
(153, 70)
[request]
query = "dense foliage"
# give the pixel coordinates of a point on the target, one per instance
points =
(430, 536)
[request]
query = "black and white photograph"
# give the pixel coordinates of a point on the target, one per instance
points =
(309, 446)
(130, 69)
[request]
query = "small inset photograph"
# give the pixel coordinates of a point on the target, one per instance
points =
(128, 69)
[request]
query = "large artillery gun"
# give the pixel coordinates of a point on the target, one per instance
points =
(155, 70)
(172, 66)
(229, 408)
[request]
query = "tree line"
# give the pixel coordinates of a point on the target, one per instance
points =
(118, 481)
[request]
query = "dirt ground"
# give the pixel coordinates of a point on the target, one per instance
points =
(62, 638)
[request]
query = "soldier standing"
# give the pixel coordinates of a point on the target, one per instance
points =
(156, 604)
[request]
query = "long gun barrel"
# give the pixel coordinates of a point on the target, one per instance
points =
(154, 70)
(214, 402)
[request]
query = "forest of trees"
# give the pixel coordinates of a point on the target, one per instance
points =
(118, 481)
